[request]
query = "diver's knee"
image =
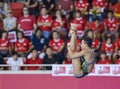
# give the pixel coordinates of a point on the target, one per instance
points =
(78, 75)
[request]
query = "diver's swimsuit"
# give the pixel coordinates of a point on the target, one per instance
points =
(84, 67)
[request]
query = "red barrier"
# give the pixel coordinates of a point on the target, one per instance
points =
(40, 81)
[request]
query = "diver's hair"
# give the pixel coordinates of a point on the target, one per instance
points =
(86, 34)
(88, 41)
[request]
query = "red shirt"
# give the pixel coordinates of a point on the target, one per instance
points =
(36, 61)
(107, 61)
(117, 8)
(57, 23)
(112, 7)
(56, 44)
(44, 19)
(23, 46)
(111, 24)
(108, 49)
(117, 43)
(68, 61)
(98, 3)
(27, 23)
(65, 4)
(4, 43)
(95, 43)
(117, 61)
(80, 22)
(81, 4)
(95, 27)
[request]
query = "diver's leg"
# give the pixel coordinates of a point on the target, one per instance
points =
(76, 63)
(73, 40)
(77, 71)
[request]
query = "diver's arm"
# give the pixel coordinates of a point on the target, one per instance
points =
(74, 55)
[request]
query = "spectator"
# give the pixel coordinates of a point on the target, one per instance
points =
(49, 5)
(71, 11)
(100, 3)
(1, 7)
(6, 5)
(97, 27)
(112, 4)
(117, 61)
(50, 58)
(117, 44)
(1, 2)
(9, 22)
(39, 41)
(1, 22)
(98, 9)
(111, 25)
(12, 1)
(44, 22)
(68, 60)
(90, 1)
(59, 23)
(117, 10)
(33, 6)
(81, 24)
(104, 59)
(69, 16)
(5, 48)
(64, 5)
(2, 62)
(56, 43)
(82, 5)
(108, 48)
(96, 44)
(34, 60)
(117, 47)
(15, 62)
(23, 46)
(27, 23)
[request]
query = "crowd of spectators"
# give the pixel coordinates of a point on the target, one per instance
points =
(42, 31)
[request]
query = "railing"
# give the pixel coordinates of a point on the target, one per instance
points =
(64, 69)
(28, 65)
(42, 71)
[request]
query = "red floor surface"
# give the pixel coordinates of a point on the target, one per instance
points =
(40, 81)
